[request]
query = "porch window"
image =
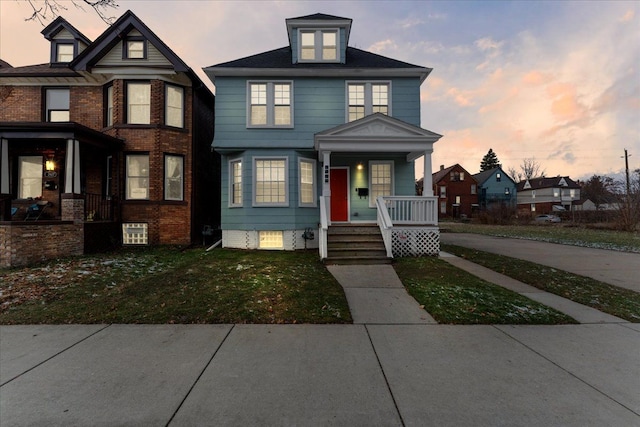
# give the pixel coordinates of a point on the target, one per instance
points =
(174, 108)
(139, 103)
(235, 182)
(270, 184)
(29, 177)
(318, 46)
(270, 104)
(57, 105)
(307, 172)
(173, 177)
(137, 177)
(366, 98)
(380, 180)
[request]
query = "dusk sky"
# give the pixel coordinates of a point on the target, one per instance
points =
(556, 81)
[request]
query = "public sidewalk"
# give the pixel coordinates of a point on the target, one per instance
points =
(318, 375)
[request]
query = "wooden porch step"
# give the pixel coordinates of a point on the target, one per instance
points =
(358, 260)
(356, 244)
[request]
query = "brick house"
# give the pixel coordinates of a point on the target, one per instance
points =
(107, 143)
(457, 192)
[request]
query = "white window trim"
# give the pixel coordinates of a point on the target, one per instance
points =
(231, 163)
(128, 101)
(314, 196)
(318, 45)
(286, 182)
(270, 104)
(368, 96)
(166, 105)
(372, 201)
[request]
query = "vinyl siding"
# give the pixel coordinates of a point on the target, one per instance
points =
(114, 58)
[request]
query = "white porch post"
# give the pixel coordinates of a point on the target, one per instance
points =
(72, 167)
(427, 182)
(4, 166)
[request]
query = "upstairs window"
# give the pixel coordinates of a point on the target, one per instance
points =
(318, 46)
(270, 104)
(498, 177)
(134, 48)
(174, 108)
(64, 52)
(139, 103)
(365, 98)
(57, 105)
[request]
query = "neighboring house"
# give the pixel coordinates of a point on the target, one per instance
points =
(457, 192)
(584, 205)
(312, 134)
(496, 189)
(543, 195)
(112, 137)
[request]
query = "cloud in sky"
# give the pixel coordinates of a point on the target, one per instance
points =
(558, 81)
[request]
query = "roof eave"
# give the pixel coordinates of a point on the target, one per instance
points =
(214, 72)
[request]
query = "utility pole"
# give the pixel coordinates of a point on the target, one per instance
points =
(626, 167)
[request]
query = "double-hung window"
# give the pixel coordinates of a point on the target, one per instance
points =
(174, 106)
(365, 98)
(270, 182)
(137, 177)
(139, 103)
(109, 105)
(173, 177)
(380, 180)
(270, 104)
(64, 52)
(57, 105)
(318, 46)
(235, 183)
(307, 186)
(29, 176)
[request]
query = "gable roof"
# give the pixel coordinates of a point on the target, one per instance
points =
(113, 35)
(545, 182)
(319, 17)
(437, 176)
(58, 25)
(481, 177)
(5, 64)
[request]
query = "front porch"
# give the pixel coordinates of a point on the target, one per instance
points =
(408, 226)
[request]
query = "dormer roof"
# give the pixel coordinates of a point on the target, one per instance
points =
(59, 24)
(318, 20)
(115, 34)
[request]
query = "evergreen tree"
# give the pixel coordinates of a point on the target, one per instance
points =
(489, 161)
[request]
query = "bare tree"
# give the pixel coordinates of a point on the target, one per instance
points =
(629, 203)
(531, 168)
(514, 174)
(45, 10)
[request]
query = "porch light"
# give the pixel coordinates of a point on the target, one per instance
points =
(360, 166)
(50, 165)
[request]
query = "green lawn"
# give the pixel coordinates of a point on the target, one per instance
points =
(454, 296)
(555, 233)
(169, 285)
(620, 302)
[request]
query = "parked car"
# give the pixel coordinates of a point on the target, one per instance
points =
(548, 218)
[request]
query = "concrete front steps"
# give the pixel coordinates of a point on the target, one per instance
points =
(355, 244)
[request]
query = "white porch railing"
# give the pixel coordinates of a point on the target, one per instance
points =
(409, 225)
(324, 227)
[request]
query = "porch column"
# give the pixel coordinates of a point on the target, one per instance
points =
(72, 167)
(326, 169)
(427, 182)
(4, 166)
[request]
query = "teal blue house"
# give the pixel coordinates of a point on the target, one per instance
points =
(496, 189)
(318, 135)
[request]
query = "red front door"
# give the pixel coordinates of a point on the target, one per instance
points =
(339, 195)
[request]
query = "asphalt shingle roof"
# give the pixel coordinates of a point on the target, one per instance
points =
(40, 70)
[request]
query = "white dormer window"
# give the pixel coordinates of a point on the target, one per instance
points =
(64, 52)
(318, 46)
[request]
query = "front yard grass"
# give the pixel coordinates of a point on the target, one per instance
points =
(454, 296)
(170, 285)
(620, 302)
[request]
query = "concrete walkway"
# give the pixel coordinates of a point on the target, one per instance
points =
(613, 267)
(318, 375)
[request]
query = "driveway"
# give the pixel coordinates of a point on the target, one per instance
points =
(616, 268)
